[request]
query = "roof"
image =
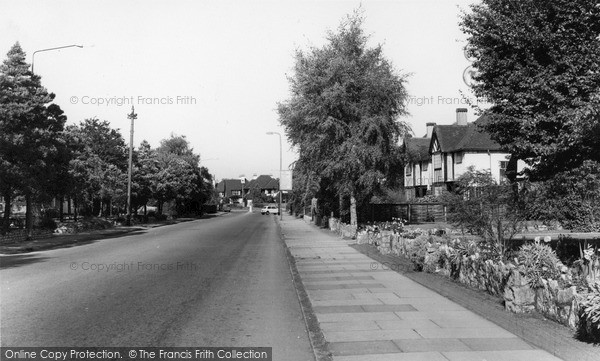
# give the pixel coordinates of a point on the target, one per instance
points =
(417, 149)
(264, 182)
(230, 184)
(468, 137)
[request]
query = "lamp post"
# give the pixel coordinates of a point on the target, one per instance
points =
(280, 167)
(57, 48)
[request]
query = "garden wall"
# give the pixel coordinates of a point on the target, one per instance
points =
(20, 235)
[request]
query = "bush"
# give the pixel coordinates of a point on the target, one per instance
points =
(482, 207)
(51, 213)
(571, 198)
(417, 250)
(588, 328)
(538, 261)
(48, 223)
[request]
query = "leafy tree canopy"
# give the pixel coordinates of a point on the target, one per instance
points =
(538, 63)
(343, 112)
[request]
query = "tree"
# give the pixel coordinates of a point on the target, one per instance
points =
(179, 176)
(343, 110)
(99, 165)
(482, 207)
(538, 63)
(31, 146)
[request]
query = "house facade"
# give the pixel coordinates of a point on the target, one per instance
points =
(452, 149)
(232, 190)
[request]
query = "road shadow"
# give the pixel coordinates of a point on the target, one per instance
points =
(17, 260)
(65, 241)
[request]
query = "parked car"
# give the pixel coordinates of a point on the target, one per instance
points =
(269, 210)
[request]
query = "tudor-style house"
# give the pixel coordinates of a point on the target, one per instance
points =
(452, 150)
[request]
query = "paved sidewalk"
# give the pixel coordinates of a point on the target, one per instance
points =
(370, 313)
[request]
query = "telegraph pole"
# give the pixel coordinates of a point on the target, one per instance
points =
(133, 117)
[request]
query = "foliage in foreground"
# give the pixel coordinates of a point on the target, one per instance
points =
(482, 207)
(572, 198)
(589, 315)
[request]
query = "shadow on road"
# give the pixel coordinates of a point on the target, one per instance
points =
(11, 261)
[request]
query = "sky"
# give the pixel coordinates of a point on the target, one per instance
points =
(214, 71)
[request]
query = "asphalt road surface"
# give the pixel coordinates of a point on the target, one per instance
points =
(216, 282)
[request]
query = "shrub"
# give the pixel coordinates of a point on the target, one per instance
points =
(588, 328)
(482, 207)
(571, 198)
(538, 261)
(48, 223)
(417, 250)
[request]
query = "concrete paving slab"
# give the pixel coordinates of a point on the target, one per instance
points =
(402, 324)
(366, 316)
(411, 356)
(464, 332)
(508, 355)
(350, 326)
(496, 344)
(362, 348)
(317, 303)
(389, 308)
(424, 345)
(371, 335)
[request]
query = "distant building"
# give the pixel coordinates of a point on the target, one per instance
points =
(232, 190)
(265, 184)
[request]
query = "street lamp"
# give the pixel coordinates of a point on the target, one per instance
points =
(280, 167)
(57, 48)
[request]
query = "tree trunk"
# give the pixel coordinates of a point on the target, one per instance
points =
(69, 206)
(353, 218)
(61, 208)
(6, 220)
(75, 209)
(28, 215)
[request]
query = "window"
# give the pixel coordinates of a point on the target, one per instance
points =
(458, 157)
(437, 161)
(503, 165)
(409, 170)
(236, 193)
(424, 166)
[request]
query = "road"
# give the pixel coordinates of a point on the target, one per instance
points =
(223, 281)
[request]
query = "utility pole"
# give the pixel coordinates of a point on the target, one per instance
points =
(133, 117)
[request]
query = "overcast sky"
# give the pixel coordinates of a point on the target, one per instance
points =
(219, 67)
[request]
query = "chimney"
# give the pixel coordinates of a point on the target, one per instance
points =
(461, 116)
(429, 129)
